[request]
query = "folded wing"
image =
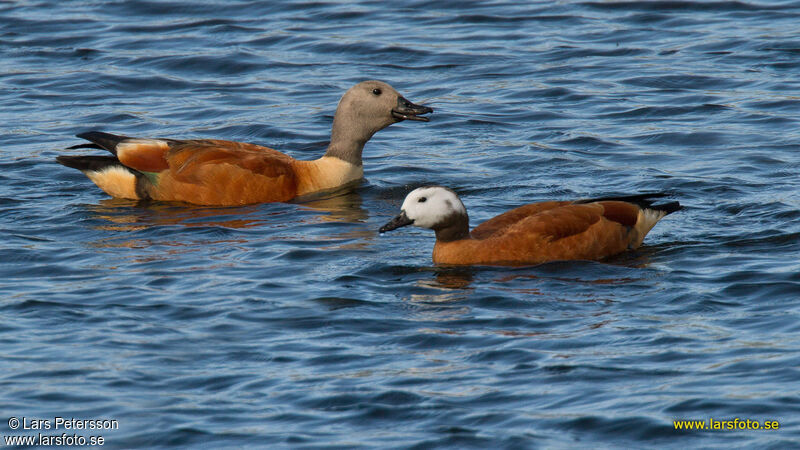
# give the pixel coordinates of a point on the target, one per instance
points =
(203, 171)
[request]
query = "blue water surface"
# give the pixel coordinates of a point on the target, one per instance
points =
(297, 325)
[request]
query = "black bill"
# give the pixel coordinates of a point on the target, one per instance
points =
(399, 221)
(405, 110)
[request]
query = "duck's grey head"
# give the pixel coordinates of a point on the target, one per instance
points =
(373, 105)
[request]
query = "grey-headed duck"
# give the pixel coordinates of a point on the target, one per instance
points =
(217, 172)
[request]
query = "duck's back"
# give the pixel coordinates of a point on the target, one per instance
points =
(499, 224)
(217, 172)
(547, 231)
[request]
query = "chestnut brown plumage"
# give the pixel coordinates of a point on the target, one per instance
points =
(534, 233)
(217, 172)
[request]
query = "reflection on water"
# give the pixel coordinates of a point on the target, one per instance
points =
(451, 278)
(454, 277)
(216, 225)
(344, 207)
(131, 215)
(448, 284)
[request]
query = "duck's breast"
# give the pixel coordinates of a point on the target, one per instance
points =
(325, 174)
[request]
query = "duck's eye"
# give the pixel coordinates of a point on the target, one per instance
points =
(376, 91)
(423, 199)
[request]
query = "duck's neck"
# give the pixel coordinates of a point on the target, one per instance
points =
(349, 151)
(455, 230)
(348, 137)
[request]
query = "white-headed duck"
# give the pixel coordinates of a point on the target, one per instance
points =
(534, 233)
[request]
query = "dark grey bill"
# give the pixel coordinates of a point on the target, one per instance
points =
(407, 110)
(399, 221)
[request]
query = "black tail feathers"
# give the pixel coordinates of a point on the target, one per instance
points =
(668, 208)
(101, 140)
(88, 163)
(643, 201)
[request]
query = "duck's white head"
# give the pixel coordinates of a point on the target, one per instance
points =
(433, 207)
